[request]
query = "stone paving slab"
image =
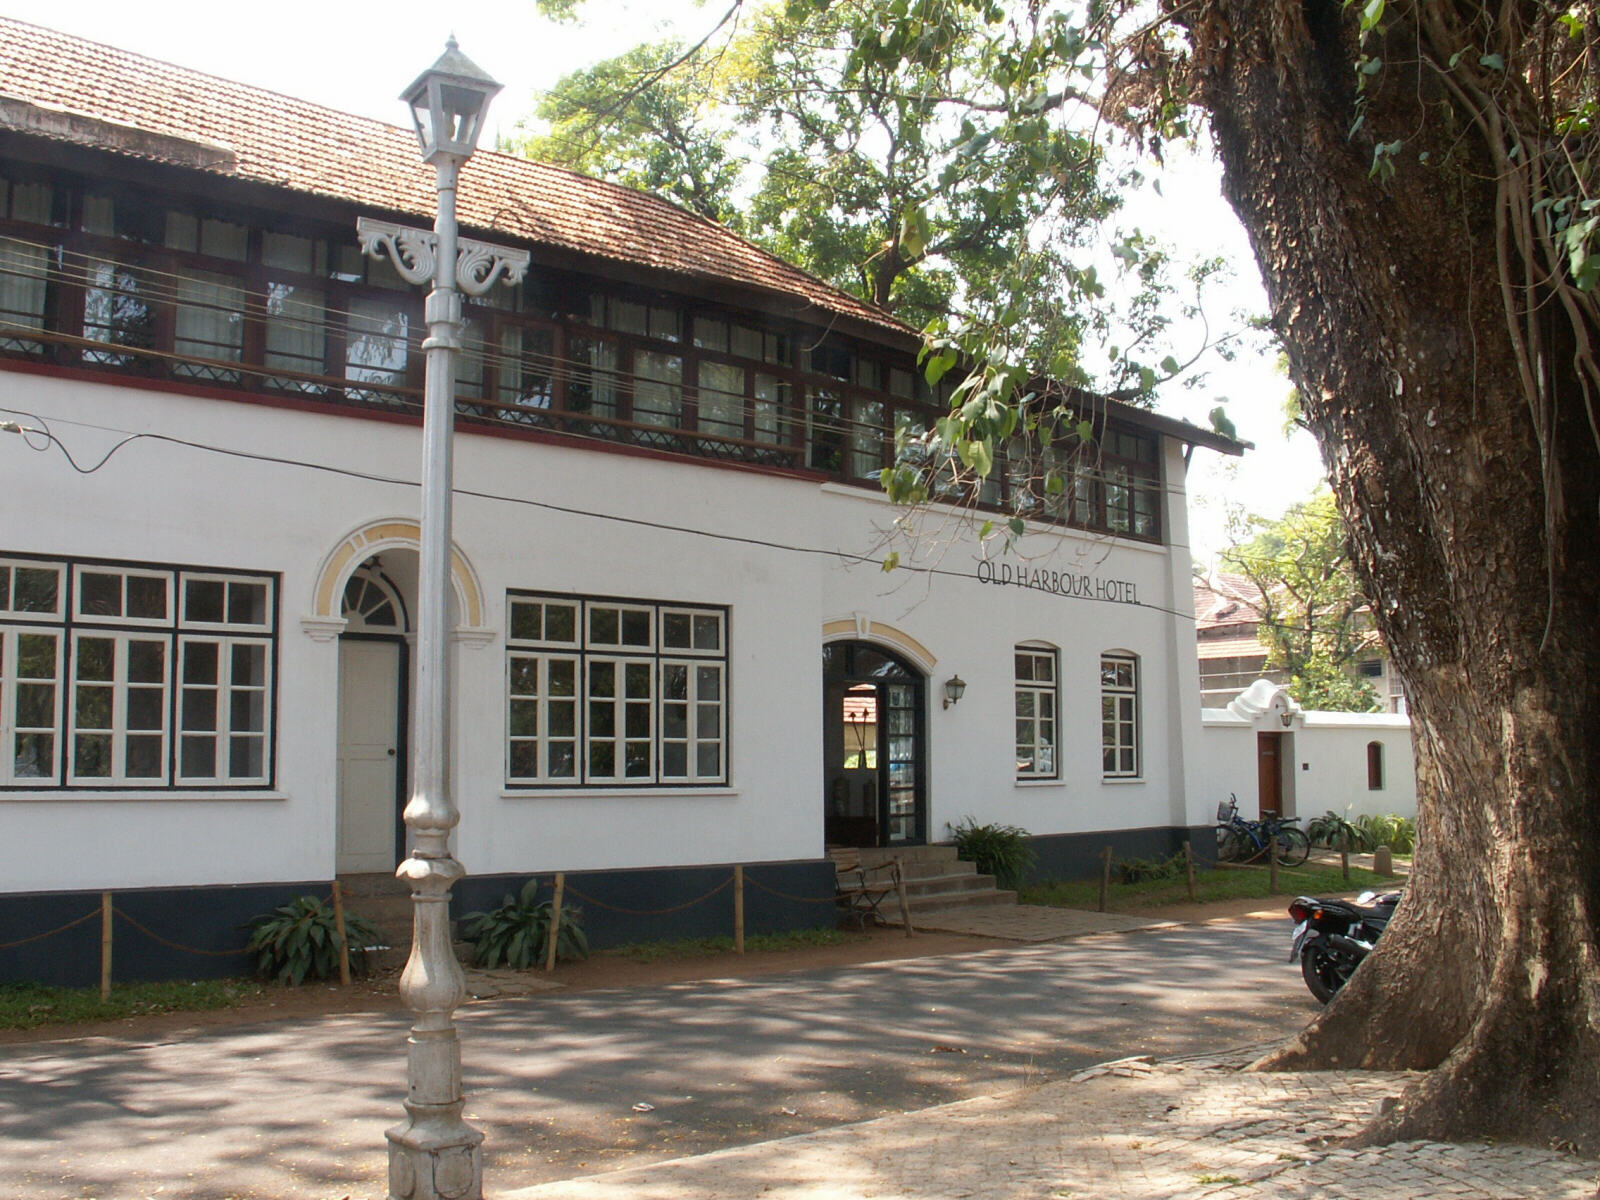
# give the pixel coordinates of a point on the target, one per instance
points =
(1200, 1129)
(1026, 922)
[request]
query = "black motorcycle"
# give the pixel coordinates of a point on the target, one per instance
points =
(1332, 936)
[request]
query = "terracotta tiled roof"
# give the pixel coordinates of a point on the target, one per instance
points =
(284, 142)
(1224, 598)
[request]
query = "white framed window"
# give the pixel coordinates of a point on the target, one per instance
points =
(32, 591)
(1037, 704)
(120, 688)
(30, 705)
(1119, 716)
(603, 692)
(225, 698)
(127, 597)
(150, 676)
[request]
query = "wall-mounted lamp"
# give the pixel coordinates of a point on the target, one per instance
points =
(954, 688)
(1286, 717)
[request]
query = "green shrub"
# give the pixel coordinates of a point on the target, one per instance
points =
(1337, 833)
(1390, 829)
(301, 938)
(998, 850)
(1143, 870)
(518, 932)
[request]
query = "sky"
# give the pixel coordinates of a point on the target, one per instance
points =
(358, 57)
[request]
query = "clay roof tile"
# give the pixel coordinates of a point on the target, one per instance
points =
(285, 142)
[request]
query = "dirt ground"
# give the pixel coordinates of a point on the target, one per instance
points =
(604, 969)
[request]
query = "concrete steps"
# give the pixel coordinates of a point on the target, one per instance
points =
(381, 899)
(935, 878)
(386, 902)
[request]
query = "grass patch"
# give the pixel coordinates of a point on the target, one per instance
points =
(1224, 883)
(32, 1005)
(795, 939)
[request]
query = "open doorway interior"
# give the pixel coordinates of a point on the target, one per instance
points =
(872, 744)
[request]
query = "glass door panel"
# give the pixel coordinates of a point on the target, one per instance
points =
(900, 753)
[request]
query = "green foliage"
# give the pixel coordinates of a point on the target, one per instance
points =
(1388, 829)
(1312, 616)
(518, 932)
(639, 120)
(999, 850)
(301, 938)
(1146, 870)
(898, 153)
(1336, 832)
(33, 1005)
(948, 161)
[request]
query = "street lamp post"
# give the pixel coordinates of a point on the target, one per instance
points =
(435, 1154)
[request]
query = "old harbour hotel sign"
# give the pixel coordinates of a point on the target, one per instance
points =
(1060, 583)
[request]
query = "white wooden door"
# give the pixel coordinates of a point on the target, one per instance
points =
(369, 674)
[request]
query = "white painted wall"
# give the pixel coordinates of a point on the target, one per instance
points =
(769, 547)
(1331, 764)
(1326, 756)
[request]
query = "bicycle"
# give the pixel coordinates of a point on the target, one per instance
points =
(1239, 840)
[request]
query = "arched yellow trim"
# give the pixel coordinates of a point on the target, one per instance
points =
(862, 629)
(374, 538)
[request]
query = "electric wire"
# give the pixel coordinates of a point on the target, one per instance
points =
(42, 430)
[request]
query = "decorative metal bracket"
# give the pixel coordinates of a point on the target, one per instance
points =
(414, 252)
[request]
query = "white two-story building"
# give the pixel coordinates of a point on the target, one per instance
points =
(676, 649)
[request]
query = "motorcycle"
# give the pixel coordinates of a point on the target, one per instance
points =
(1332, 936)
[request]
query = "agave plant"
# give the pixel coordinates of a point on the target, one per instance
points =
(1336, 832)
(518, 932)
(1391, 830)
(301, 938)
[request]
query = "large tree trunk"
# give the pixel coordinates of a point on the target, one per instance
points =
(1484, 580)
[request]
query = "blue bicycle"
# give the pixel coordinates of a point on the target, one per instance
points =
(1239, 840)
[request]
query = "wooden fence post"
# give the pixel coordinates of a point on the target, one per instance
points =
(555, 922)
(905, 904)
(105, 947)
(1344, 861)
(738, 909)
(1272, 865)
(1188, 868)
(344, 938)
(1105, 876)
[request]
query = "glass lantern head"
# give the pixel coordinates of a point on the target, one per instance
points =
(448, 103)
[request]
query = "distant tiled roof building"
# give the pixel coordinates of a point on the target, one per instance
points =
(1227, 611)
(1228, 608)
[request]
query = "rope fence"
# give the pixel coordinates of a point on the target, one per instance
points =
(737, 879)
(651, 912)
(772, 891)
(39, 937)
(107, 910)
(172, 945)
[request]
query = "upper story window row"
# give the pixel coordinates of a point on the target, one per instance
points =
(119, 280)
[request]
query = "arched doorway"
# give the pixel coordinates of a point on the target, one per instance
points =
(874, 730)
(373, 671)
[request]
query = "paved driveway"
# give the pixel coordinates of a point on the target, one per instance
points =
(298, 1109)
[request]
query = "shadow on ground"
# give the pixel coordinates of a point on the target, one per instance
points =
(299, 1108)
